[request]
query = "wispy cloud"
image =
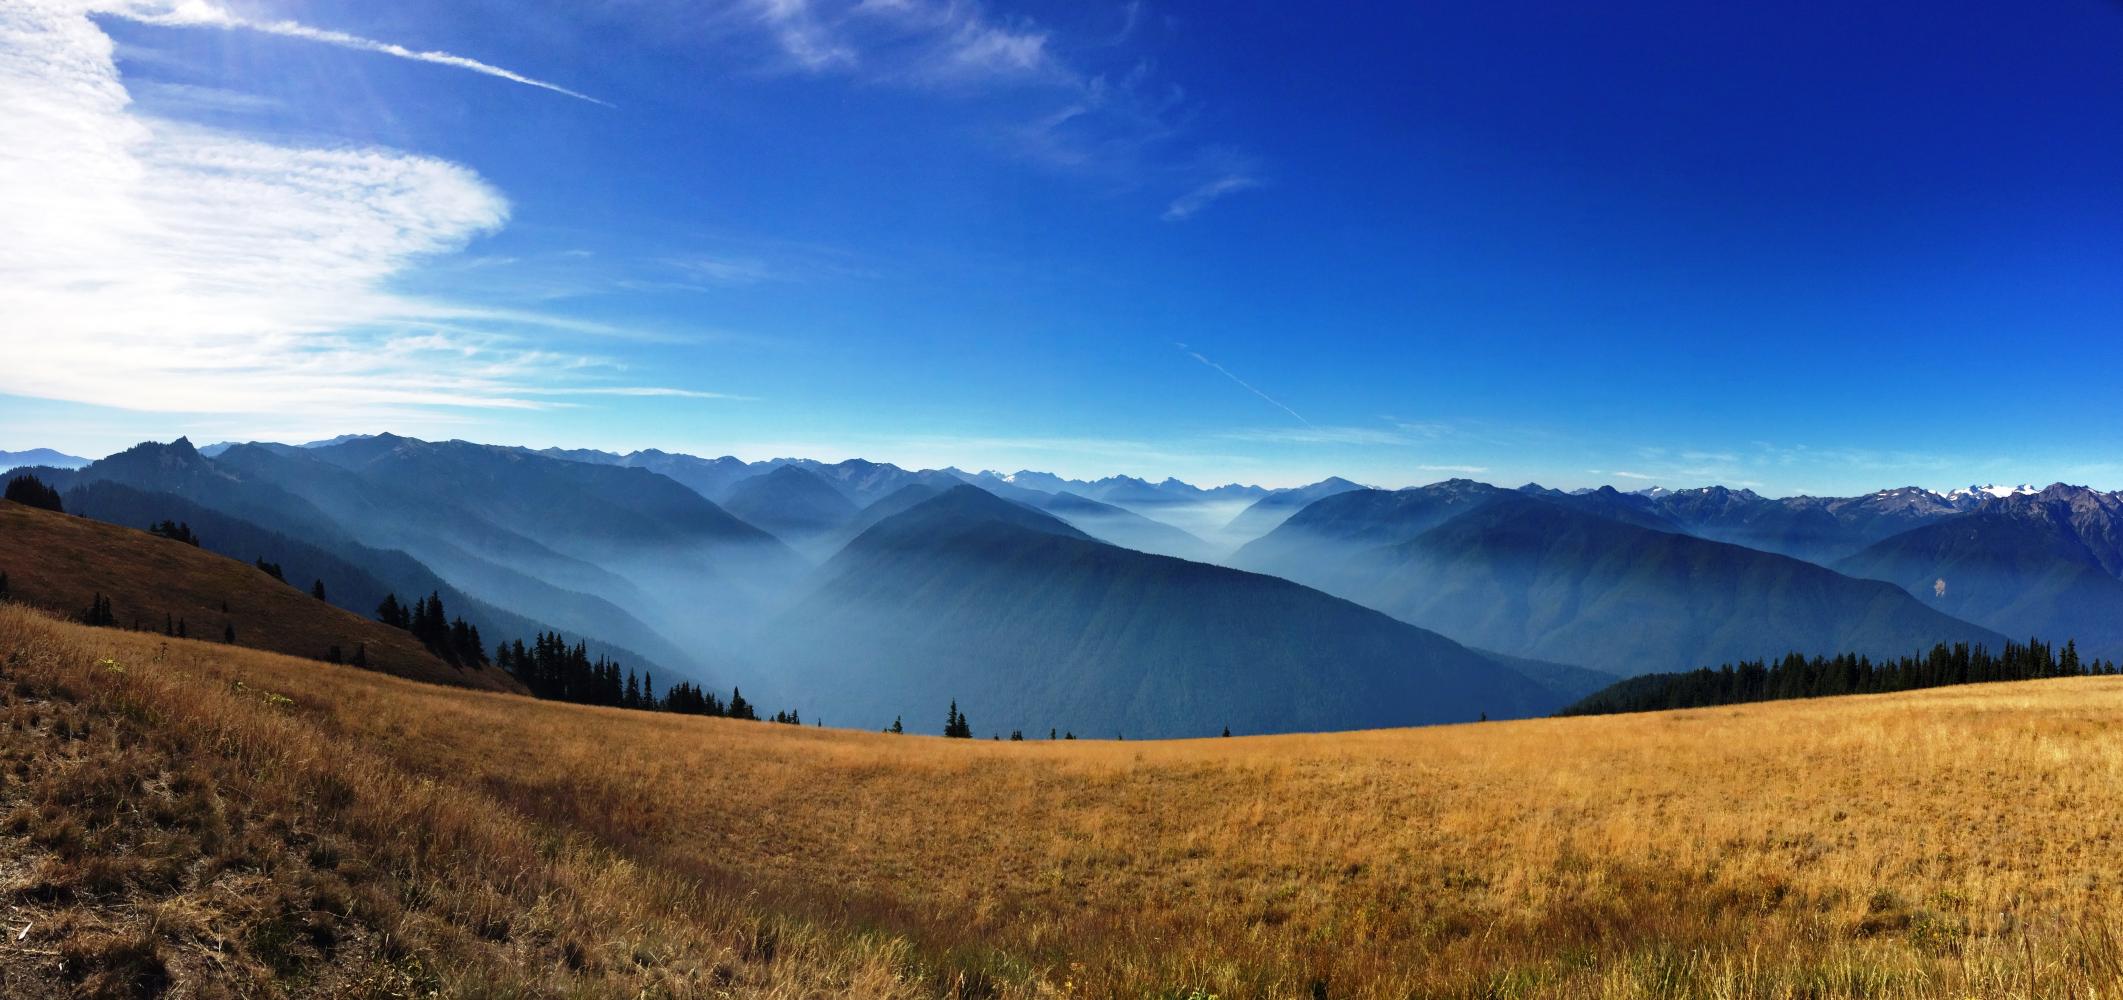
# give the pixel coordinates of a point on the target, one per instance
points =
(727, 270)
(1106, 118)
(638, 391)
(1318, 435)
(1272, 401)
(206, 14)
(157, 266)
(185, 98)
(933, 42)
(1185, 206)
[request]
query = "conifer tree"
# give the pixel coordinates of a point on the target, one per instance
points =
(181, 632)
(28, 489)
(228, 633)
(897, 726)
(99, 611)
(361, 655)
(3, 585)
(317, 589)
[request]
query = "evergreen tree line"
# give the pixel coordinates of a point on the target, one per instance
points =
(100, 614)
(28, 489)
(557, 671)
(176, 531)
(454, 640)
(1797, 676)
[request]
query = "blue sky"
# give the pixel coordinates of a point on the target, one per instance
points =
(1810, 247)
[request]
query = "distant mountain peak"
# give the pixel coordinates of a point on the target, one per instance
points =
(1992, 490)
(41, 456)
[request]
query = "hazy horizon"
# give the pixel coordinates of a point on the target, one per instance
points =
(1624, 483)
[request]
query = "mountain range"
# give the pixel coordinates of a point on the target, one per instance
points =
(1565, 577)
(1037, 625)
(864, 590)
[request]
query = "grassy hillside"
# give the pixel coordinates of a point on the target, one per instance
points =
(60, 563)
(355, 576)
(230, 819)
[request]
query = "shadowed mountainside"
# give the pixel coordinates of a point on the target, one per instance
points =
(2024, 568)
(1032, 624)
(1546, 577)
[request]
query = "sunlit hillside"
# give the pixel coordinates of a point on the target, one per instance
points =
(188, 816)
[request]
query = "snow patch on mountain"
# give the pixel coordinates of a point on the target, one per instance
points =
(1993, 490)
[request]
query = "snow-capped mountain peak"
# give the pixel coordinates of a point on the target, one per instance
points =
(1993, 490)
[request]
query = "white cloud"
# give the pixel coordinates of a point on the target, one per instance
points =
(1465, 470)
(185, 97)
(636, 390)
(1319, 435)
(1185, 206)
(929, 41)
(206, 14)
(1114, 122)
(152, 265)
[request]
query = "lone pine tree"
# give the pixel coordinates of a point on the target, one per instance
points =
(955, 725)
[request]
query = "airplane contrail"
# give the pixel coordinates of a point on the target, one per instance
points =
(202, 14)
(1277, 403)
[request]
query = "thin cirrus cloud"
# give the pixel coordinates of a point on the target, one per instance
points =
(1124, 126)
(1185, 206)
(908, 41)
(158, 266)
(204, 14)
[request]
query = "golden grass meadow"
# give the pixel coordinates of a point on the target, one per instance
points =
(190, 819)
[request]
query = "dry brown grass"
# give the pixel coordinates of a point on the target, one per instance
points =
(1954, 842)
(60, 563)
